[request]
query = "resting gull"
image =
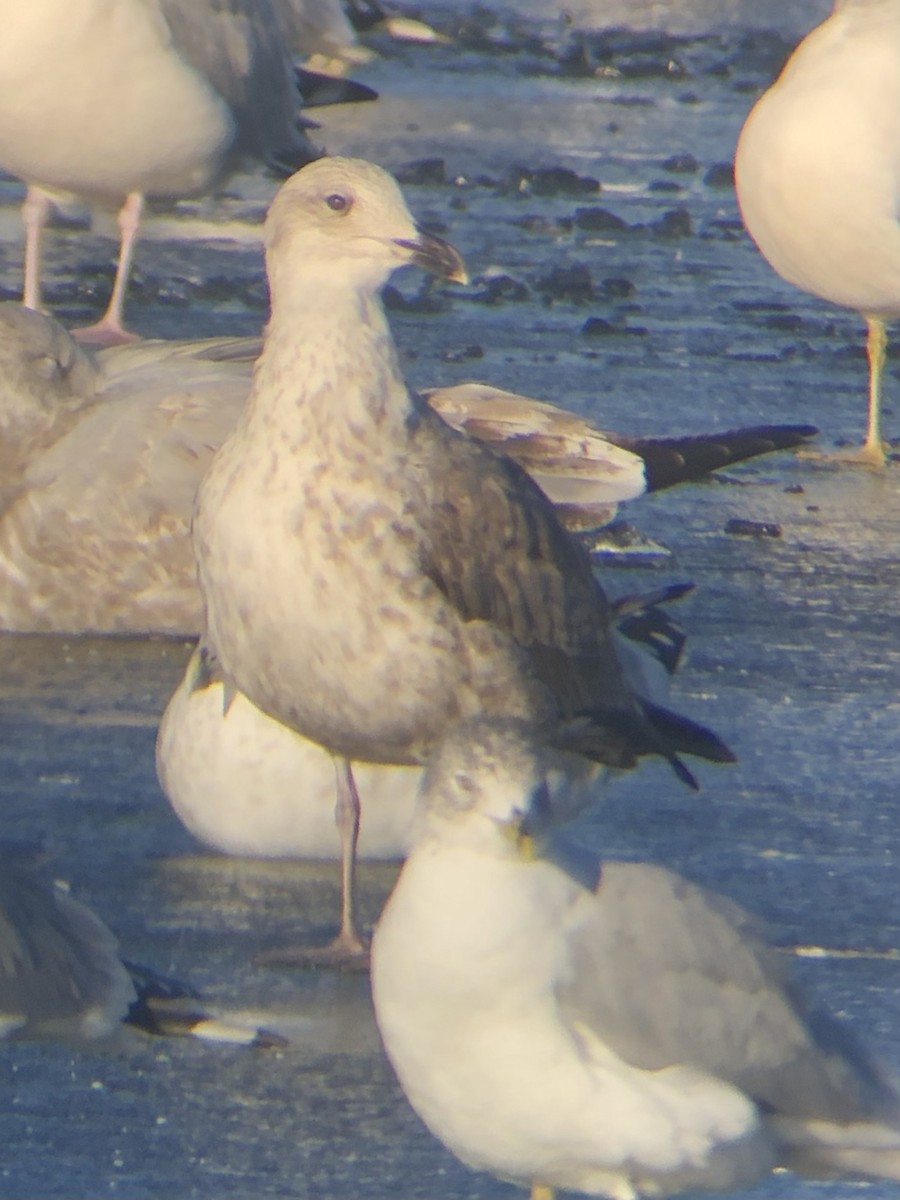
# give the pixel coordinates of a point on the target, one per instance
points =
(102, 454)
(601, 1027)
(60, 970)
(245, 784)
(818, 175)
(61, 974)
(116, 100)
(371, 576)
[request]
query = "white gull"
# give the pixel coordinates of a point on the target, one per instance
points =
(601, 1027)
(817, 172)
(117, 100)
(371, 576)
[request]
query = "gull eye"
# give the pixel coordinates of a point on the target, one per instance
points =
(338, 203)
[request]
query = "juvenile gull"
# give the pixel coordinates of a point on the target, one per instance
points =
(817, 173)
(600, 1027)
(245, 784)
(102, 454)
(116, 100)
(370, 575)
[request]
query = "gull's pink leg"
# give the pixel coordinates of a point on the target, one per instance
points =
(349, 948)
(35, 212)
(346, 815)
(109, 330)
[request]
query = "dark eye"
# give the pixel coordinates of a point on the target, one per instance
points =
(337, 203)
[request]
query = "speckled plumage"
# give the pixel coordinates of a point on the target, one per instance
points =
(371, 576)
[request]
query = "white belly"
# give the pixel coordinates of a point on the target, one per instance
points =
(99, 103)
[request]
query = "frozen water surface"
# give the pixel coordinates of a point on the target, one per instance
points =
(793, 648)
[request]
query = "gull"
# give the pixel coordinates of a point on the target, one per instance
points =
(244, 784)
(817, 172)
(61, 974)
(370, 576)
(102, 453)
(605, 1027)
(117, 100)
(60, 970)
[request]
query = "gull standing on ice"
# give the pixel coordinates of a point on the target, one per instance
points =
(370, 576)
(817, 172)
(600, 1027)
(116, 100)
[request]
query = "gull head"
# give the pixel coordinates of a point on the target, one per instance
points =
(492, 786)
(343, 222)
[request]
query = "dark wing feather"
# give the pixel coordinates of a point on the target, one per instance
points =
(494, 546)
(241, 48)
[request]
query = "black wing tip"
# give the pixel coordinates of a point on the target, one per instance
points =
(681, 735)
(672, 460)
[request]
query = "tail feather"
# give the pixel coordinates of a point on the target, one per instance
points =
(619, 737)
(678, 734)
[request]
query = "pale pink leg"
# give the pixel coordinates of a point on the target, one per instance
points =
(349, 948)
(109, 330)
(346, 815)
(35, 212)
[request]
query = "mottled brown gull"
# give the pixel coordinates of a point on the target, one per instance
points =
(102, 454)
(116, 100)
(817, 172)
(596, 1026)
(371, 576)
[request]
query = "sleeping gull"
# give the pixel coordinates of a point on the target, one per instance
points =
(116, 100)
(245, 784)
(60, 970)
(600, 1027)
(371, 576)
(102, 455)
(61, 974)
(817, 173)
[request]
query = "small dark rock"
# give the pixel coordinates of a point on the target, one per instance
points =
(681, 164)
(675, 223)
(567, 283)
(551, 181)
(422, 172)
(665, 185)
(600, 220)
(740, 527)
(536, 223)
(720, 175)
(463, 354)
(598, 327)
(795, 489)
(499, 288)
(616, 288)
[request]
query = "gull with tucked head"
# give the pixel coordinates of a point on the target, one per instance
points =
(600, 1027)
(371, 576)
